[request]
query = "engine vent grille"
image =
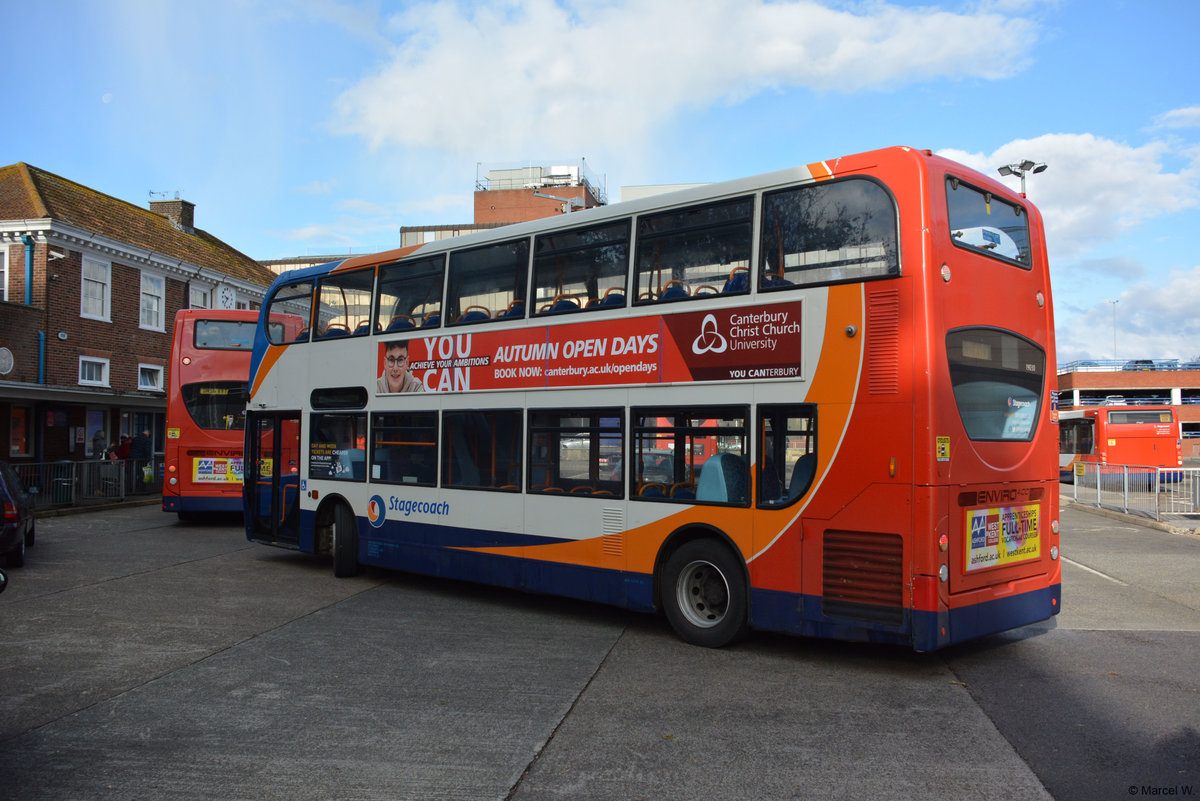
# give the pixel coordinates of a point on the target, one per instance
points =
(862, 576)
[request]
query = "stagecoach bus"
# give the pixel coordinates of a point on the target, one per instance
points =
(1141, 436)
(814, 401)
(206, 408)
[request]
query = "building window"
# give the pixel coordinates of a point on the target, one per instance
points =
(150, 377)
(200, 297)
(18, 433)
(93, 372)
(3, 275)
(97, 290)
(153, 289)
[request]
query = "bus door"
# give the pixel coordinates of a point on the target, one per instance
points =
(272, 476)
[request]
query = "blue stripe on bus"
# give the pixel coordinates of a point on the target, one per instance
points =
(793, 613)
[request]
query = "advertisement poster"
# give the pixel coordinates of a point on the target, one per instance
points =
(1002, 536)
(217, 470)
(754, 343)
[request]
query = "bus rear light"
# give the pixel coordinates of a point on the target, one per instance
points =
(943, 543)
(944, 573)
(171, 468)
(1053, 526)
(1054, 553)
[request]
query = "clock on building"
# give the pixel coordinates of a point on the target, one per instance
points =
(226, 297)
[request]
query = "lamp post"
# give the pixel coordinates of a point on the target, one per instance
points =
(1021, 168)
(1114, 305)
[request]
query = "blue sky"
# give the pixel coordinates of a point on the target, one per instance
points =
(316, 126)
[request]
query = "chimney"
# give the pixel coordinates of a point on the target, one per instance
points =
(179, 212)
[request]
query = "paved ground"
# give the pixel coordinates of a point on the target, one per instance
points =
(146, 659)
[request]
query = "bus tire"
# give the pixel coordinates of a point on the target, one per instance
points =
(704, 594)
(345, 542)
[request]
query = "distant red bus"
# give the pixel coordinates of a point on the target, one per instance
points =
(206, 409)
(1145, 436)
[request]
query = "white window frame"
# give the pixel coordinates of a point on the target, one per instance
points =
(106, 266)
(203, 293)
(3, 274)
(157, 371)
(104, 369)
(161, 296)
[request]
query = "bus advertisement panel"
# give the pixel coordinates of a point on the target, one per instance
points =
(815, 401)
(742, 343)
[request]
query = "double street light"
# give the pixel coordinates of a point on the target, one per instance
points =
(1021, 168)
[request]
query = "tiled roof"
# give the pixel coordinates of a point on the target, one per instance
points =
(29, 193)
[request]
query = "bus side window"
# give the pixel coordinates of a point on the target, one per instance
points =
(689, 454)
(336, 447)
(576, 452)
(482, 449)
(487, 282)
(410, 294)
(693, 252)
(787, 452)
(582, 268)
(344, 304)
(404, 448)
(828, 232)
(291, 304)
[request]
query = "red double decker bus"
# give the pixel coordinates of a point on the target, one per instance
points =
(206, 409)
(813, 401)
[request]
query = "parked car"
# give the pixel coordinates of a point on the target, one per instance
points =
(17, 524)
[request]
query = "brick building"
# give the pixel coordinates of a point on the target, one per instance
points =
(89, 287)
(511, 195)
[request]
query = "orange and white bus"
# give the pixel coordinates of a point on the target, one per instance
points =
(206, 410)
(813, 401)
(1139, 436)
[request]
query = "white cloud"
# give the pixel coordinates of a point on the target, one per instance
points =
(1179, 118)
(317, 187)
(1156, 321)
(527, 74)
(1095, 189)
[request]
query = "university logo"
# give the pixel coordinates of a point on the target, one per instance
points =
(710, 339)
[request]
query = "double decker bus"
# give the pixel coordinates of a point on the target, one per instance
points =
(813, 401)
(206, 409)
(1141, 436)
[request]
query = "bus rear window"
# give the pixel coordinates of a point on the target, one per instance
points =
(982, 222)
(1156, 417)
(998, 379)
(230, 334)
(216, 405)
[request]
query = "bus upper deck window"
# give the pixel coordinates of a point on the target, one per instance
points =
(982, 222)
(292, 305)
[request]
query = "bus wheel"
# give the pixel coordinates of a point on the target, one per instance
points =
(345, 542)
(704, 594)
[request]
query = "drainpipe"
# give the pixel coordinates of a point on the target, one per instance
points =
(41, 357)
(28, 240)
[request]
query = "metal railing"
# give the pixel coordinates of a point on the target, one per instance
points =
(1153, 492)
(55, 485)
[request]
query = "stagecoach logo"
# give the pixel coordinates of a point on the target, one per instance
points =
(375, 511)
(710, 339)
